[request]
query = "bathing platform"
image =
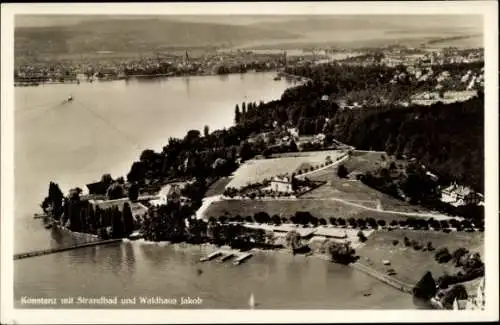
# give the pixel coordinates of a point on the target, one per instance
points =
(242, 258)
(226, 255)
(211, 256)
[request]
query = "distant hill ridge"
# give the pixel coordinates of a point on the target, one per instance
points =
(126, 35)
(75, 35)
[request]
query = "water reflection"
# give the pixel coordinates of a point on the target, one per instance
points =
(152, 254)
(57, 237)
(293, 272)
(83, 254)
(223, 77)
(187, 83)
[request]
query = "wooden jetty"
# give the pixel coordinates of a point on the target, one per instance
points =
(211, 256)
(225, 257)
(63, 249)
(242, 258)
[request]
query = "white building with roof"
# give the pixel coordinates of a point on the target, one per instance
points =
(458, 195)
(476, 302)
(169, 193)
(281, 184)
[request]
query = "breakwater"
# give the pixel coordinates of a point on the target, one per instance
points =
(63, 249)
(400, 285)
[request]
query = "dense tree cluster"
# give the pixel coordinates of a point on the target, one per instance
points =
(166, 222)
(450, 129)
(437, 136)
(198, 156)
(425, 288)
(416, 187)
(175, 224)
(342, 171)
(471, 264)
(53, 202)
(342, 253)
(448, 287)
(443, 255)
(80, 215)
(457, 292)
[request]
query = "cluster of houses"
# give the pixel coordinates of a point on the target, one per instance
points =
(312, 235)
(459, 195)
(170, 193)
(476, 302)
(475, 297)
(469, 81)
(430, 56)
(168, 64)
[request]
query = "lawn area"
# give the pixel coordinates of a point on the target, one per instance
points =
(257, 170)
(354, 190)
(217, 188)
(409, 264)
(287, 208)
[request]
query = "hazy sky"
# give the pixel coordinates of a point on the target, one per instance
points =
(407, 21)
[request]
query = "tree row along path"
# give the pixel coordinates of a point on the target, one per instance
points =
(333, 164)
(63, 249)
(208, 201)
(436, 216)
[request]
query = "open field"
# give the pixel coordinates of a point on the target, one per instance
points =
(449, 97)
(354, 190)
(257, 170)
(286, 208)
(363, 161)
(217, 188)
(409, 264)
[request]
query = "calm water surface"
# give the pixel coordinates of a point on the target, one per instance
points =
(105, 129)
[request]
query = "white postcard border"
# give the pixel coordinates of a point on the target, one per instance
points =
(489, 10)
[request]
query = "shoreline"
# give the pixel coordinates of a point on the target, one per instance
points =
(21, 84)
(207, 248)
(144, 77)
(392, 282)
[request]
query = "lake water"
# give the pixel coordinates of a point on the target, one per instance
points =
(105, 129)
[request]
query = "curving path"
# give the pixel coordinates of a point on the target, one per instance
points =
(436, 216)
(209, 200)
(206, 202)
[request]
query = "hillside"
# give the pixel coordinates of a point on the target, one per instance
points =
(75, 35)
(138, 35)
(448, 139)
(357, 31)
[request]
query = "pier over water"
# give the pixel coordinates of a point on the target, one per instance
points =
(63, 249)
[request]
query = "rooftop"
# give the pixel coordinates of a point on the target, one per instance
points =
(138, 209)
